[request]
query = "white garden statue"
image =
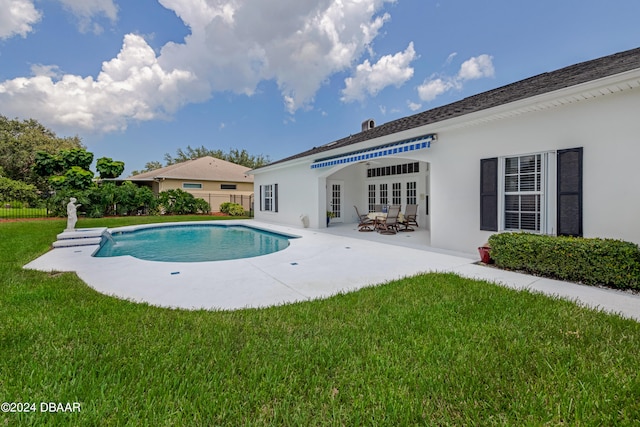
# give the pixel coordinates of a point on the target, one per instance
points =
(72, 216)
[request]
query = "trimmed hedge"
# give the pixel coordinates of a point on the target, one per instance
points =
(233, 209)
(591, 261)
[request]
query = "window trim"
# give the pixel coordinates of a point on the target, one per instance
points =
(269, 193)
(196, 186)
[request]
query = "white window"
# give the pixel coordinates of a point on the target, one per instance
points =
(384, 194)
(269, 197)
(412, 193)
(396, 193)
(372, 197)
(525, 196)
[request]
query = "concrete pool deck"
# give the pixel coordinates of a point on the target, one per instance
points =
(317, 265)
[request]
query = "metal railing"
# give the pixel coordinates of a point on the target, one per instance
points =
(216, 199)
(19, 210)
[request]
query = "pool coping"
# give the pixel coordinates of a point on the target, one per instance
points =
(316, 265)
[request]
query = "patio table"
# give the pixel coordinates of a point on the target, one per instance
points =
(376, 216)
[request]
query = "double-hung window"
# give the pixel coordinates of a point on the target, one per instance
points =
(269, 197)
(523, 193)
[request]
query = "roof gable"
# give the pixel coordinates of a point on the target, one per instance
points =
(202, 169)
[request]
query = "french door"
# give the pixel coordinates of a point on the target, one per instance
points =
(335, 196)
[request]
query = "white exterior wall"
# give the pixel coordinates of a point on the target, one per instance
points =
(608, 130)
(298, 194)
(606, 127)
(354, 190)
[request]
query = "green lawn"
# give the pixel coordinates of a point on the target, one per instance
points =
(434, 349)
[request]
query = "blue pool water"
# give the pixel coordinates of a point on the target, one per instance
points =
(193, 243)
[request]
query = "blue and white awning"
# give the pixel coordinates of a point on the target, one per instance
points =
(398, 147)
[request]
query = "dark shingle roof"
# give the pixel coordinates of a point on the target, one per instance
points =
(533, 86)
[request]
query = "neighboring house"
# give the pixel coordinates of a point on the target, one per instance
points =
(556, 154)
(214, 180)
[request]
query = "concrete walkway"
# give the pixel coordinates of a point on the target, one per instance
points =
(317, 265)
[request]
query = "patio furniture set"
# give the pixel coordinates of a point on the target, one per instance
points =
(388, 219)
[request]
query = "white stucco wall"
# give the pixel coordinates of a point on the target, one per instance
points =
(608, 130)
(607, 127)
(298, 193)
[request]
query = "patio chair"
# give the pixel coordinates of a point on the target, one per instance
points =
(364, 222)
(377, 208)
(389, 224)
(410, 218)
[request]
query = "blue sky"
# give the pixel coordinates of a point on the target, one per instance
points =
(138, 79)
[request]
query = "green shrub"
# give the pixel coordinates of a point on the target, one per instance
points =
(11, 190)
(179, 202)
(57, 204)
(591, 261)
(233, 209)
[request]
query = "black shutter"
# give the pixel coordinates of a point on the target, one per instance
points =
(570, 192)
(260, 203)
(275, 197)
(489, 194)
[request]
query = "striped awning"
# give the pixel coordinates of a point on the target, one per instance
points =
(398, 147)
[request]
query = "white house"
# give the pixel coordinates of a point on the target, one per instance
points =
(556, 153)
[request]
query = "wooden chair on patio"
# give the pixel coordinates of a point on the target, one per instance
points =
(410, 218)
(364, 222)
(389, 224)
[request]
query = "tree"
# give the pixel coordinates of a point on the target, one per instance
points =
(46, 164)
(76, 157)
(107, 168)
(11, 191)
(75, 178)
(19, 143)
(192, 153)
(245, 159)
(148, 167)
(69, 169)
(239, 157)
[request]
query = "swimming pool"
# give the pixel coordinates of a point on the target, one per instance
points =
(192, 242)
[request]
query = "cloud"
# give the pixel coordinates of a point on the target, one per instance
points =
(450, 58)
(476, 68)
(471, 69)
(371, 79)
(233, 46)
(17, 18)
(87, 10)
(131, 86)
(413, 106)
